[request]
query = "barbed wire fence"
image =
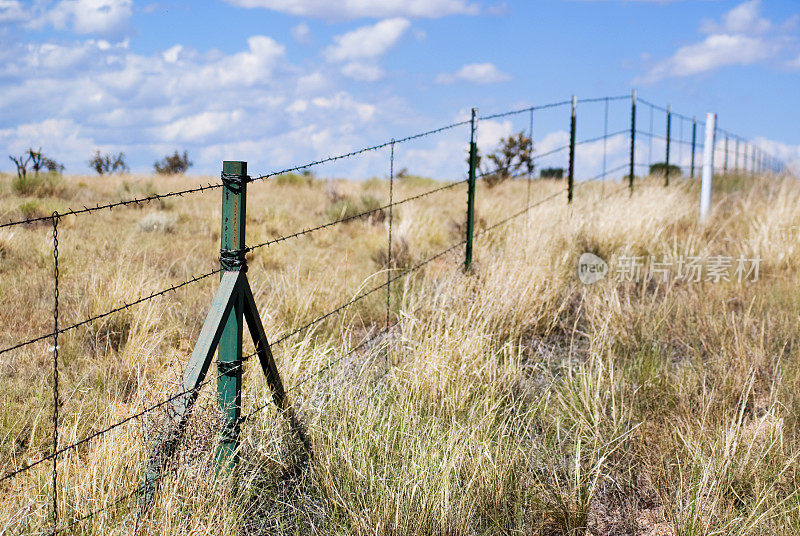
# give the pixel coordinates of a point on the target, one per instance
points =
(737, 154)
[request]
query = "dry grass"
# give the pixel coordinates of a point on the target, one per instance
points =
(513, 400)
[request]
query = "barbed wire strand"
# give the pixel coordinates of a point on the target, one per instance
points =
(111, 206)
(122, 307)
(360, 215)
(523, 110)
(601, 99)
(360, 151)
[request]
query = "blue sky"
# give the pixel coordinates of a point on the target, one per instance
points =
(282, 82)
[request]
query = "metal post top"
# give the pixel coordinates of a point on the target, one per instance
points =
(234, 167)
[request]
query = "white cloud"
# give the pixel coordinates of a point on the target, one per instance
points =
(172, 54)
(715, 51)
(302, 33)
(12, 11)
(490, 132)
(56, 136)
(475, 73)
(103, 17)
(251, 102)
(367, 42)
(743, 19)
(353, 9)
(742, 37)
(362, 72)
(200, 126)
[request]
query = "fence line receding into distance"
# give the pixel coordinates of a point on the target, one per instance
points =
(233, 305)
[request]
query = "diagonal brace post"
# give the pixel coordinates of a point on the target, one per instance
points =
(193, 377)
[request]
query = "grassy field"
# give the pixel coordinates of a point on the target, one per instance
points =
(512, 400)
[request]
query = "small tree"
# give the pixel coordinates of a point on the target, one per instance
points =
(512, 154)
(38, 162)
(22, 165)
(174, 164)
(107, 163)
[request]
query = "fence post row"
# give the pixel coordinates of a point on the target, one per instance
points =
(473, 163)
(571, 172)
(633, 141)
(666, 158)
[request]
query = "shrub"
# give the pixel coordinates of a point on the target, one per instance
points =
(40, 182)
(174, 164)
(32, 209)
(107, 163)
(40, 185)
(512, 154)
(552, 173)
(659, 168)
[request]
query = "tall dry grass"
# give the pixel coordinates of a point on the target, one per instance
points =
(511, 400)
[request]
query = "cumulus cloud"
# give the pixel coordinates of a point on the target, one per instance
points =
(741, 37)
(103, 17)
(250, 104)
(12, 11)
(354, 9)
(360, 49)
(475, 73)
(715, 51)
(367, 42)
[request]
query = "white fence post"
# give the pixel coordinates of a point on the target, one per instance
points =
(708, 165)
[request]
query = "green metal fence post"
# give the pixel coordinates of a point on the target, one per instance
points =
(633, 141)
(694, 144)
(229, 352)
(473, 163)
(571, 173)
(669, 133)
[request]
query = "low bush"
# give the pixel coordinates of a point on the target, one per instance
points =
(174, 164)
(40, 185)
(660, 168)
